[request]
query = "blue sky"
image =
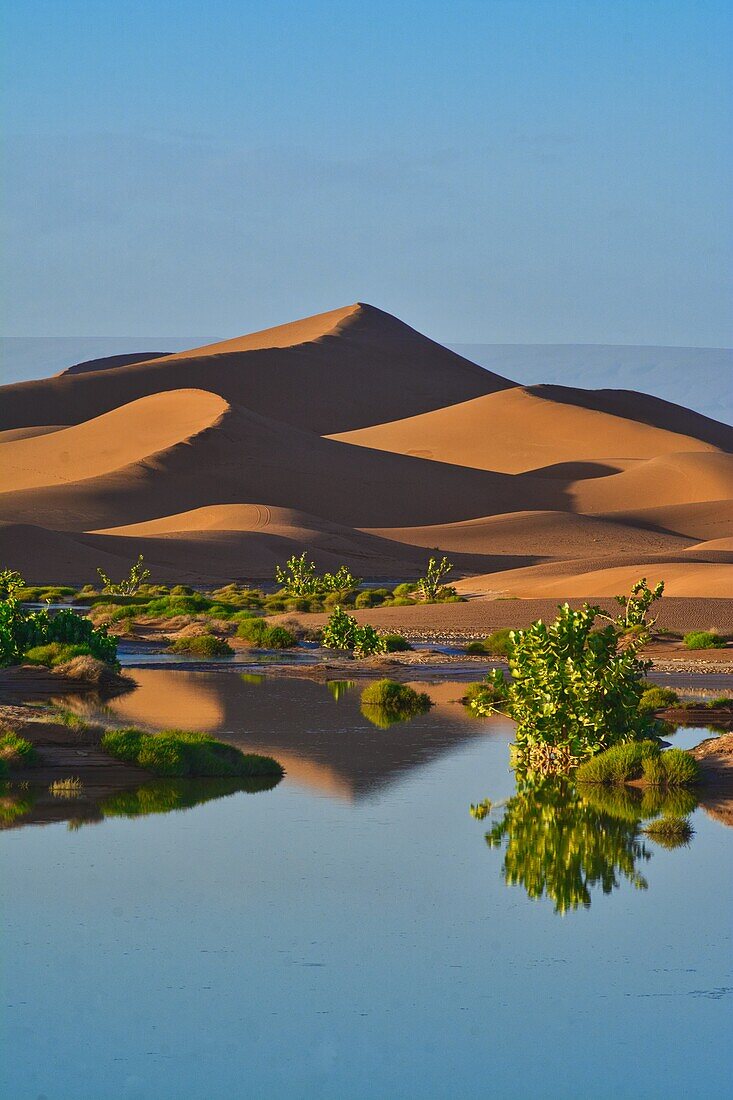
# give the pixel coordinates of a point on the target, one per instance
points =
(498, 171)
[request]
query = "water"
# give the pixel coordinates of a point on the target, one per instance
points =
(350, 933)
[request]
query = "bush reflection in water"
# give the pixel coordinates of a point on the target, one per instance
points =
(562, 839)
(25, 804)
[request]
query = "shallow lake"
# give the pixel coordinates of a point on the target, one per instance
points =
(351, 933)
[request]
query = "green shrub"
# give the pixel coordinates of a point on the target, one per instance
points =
(343, 632)
(202, 645)
(15, 751)
(394, 696)
(260, 634)
(386, 702)
(300, 578)
(499, 643)
(279, 637)
(401, 601)
(703, 639)
(364, 599)
(395, 643)
(168, 607)
(475, 648)
(403, 589)
(575, 687)
(429, 586)
(179, 753)
(21, 630)
(657, 698)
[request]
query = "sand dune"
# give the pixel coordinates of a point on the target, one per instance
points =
(688, 478)
(331, 373)
(514, 431)
(11, 434)
(109, 442)
(543, 534)
(246, 457)
(353, 436)
(701, 579)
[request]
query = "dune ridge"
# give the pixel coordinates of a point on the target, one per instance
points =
(354, 437)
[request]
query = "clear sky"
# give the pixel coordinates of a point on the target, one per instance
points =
(500, 171)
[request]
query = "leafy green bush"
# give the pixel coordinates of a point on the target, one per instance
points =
(181, 753)
(574, 686)
(15, 751)
(703, 639)
(202, 645)
(130, 584)
(260, 634)
(430, 585)
(395, 643)
(21, 630)
(343, 632)
(300, 578)
(657, 698)
(404, 589)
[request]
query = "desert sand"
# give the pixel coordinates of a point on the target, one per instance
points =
(353, 436)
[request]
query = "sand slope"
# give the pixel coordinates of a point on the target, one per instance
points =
(353, 436)
(109, 442)
(515, 431)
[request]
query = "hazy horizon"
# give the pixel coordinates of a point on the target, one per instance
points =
(671, 373)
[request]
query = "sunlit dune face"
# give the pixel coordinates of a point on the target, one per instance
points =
(109, 442)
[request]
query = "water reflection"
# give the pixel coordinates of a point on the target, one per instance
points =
(340, 688)
(562, 840)
(26, 804)
(338, 750)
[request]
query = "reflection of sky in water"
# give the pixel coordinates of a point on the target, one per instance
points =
(351, 940)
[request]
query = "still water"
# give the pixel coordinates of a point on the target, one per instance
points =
(351, 933)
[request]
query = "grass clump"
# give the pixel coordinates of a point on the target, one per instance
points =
(263, 635)
(640, 760)
(38, 593)
(703, 639)
(67, 788)
(670, 832)
(397, 699)
(181, 754)
(395, 643)
(657, 698)
(202, 645)
(55, 653)
(15, 752)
